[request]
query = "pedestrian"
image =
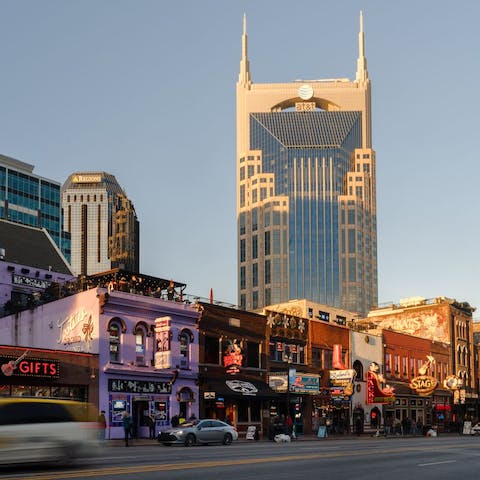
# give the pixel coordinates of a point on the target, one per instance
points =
(358, 425)
(102, 425)
(151, 425)
(288, 425)
(175, 421)
(127, 426)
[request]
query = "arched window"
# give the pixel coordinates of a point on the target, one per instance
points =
(140, 344)
(114, 330)
(185, 339)
(358, 367)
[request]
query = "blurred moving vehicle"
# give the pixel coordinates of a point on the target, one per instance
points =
(199, 432)
(36, 430)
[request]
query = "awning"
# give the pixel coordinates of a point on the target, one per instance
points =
(238, 388)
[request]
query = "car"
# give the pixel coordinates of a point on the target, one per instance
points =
(199, 432)
(34, 430)
(475, 429)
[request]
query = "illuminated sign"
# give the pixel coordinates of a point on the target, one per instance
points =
(29, 367)
(138, 386)
(424, 385)
(233, 358)
(163, 336)
(76, 328)
(86, 178)
(452, 382)
(30, 282)
(375, 392)
(341, 384)
(289, 322)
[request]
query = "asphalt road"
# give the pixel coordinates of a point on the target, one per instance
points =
(444, 457)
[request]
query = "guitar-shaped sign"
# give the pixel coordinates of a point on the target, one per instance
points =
(9, 367)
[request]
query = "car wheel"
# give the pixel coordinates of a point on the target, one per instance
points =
(190, 440)
(227, 439)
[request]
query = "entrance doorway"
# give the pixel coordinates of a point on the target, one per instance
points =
(140, 418)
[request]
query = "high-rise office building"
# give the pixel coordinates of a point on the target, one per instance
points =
(306, 199)
(102, 223)
(33, 200)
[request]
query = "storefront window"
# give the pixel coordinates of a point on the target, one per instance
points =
(255, 411)
(242, 411)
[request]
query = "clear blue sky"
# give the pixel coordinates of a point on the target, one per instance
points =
(145, 90)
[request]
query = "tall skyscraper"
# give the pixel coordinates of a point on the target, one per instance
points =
(306, 199)
(102, 223)
(33, 200)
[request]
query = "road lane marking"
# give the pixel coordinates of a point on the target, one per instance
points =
(434, 463)
(115, 470)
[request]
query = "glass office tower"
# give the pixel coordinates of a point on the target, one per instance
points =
(32, 200)
(306, 200)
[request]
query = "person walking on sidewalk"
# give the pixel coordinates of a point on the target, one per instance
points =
(127, 426)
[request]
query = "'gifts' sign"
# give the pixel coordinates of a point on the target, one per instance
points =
(24, 366)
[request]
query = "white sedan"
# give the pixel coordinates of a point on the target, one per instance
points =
(201, 432)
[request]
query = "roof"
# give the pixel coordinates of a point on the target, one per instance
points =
(32, 247)
(141, 280)
(309, 129)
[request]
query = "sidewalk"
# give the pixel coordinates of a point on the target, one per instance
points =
(138, 442)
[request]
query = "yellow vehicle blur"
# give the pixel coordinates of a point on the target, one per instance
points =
(36, 430)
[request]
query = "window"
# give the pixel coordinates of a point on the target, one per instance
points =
(358, 367)
(388, 362)
(253, 355)
(404, 366)
(212, 351)
(268, 275)
(267, 243)
(114, 330)
(242, 250)
(185, 339)
(255, 246)
(396, 360)
(255, 274)
(140, 344)
(316, 357)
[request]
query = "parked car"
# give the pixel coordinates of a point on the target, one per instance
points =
(475, 429)
(36, 430)
(199, 432)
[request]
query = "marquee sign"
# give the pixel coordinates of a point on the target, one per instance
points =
(233, 358)
(25, 366)
(424, 384)
(30, 282)
(138, 386)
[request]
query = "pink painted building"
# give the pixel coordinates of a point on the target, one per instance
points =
(145, 350)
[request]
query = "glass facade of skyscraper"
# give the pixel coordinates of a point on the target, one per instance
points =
(32, 200)
(309, 163)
